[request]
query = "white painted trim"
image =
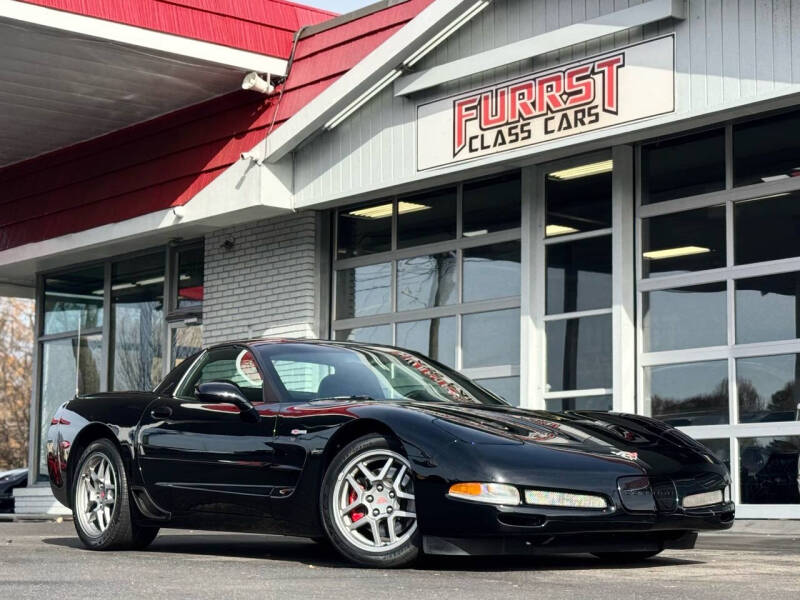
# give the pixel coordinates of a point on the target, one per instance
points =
(144, 38)
(361, 77)
(615, 22)
(244, 192)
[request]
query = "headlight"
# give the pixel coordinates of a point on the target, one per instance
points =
(491, 493)
(727, 493)
(704, 499)
(564, 499)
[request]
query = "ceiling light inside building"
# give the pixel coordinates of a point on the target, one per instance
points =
(553, 230)
(675, 252)
(385, 210)
(597, 168)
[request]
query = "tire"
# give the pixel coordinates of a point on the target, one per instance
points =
(626, 557)
(384, 500)
(101, 504)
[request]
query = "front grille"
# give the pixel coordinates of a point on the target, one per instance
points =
(666, 497)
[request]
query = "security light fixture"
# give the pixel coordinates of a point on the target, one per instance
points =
(604, 166)
(254, 81)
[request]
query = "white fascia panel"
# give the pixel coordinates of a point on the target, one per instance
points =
(621, 20)
(366, 73)
(144, 38)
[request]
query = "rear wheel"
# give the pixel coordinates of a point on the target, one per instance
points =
(368, 504)
(623, 557)
(101, 505)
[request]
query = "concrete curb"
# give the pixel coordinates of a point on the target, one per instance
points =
(15, 518)
(788, 527)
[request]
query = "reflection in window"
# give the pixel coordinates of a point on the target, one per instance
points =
(186, 341)
(689, 393)
(766, 149)
(768, 470)
(426, 281)
(684, 166)
(426, 218)
(579, 353)
(492, 271)
(491, 338)
(190, 277)
(364, 229)
(579, 275)
(721, 449)
(492, 204)
(69, 366)
(767, 228)
(137, 294)
(435, 338)
(577, 202)
(767, 308)
(603, 403)
(505, 387)
(380, 334)
(363, 291)
(692, 240)
(768, 388)
(688, 317)
(74, 301)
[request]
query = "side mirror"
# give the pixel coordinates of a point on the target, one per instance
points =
(225, 392)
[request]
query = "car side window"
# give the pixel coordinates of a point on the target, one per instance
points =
(231, 363)
(301, 379)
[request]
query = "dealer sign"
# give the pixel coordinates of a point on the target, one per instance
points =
(625, 85)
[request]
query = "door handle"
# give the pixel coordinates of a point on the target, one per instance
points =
(161, 412)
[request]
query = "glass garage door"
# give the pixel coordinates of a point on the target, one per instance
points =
(719, 300)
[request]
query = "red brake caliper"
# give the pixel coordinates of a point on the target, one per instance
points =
(354, 514)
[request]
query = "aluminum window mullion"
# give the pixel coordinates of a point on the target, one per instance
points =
(71, 334)
(581, 393)
(766, 349)
(107, 352)
(666, 357)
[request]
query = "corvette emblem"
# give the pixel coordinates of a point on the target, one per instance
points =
(625, 455)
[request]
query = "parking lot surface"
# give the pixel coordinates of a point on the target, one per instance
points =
(45, 560)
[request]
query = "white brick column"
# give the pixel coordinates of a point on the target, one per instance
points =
(265, 279)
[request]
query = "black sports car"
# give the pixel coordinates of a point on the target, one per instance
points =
(381, 451)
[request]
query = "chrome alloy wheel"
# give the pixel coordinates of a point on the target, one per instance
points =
(373, 501)
(96, 494)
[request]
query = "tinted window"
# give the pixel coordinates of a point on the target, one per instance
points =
(688, 317)
(768, 388)
(435, 338)
(491, 205)
(426, 218)
(768, 470)
(693, 240)
(577, 204)
(767, 308)
(427, 281)
(579, 353)
(364, 229)
(505, 387)
(232, 363)
(490, 338)
(73, 300)
(766, 149)
(580, 403)
(767, 229)
(684, 166)
(364, 291)
(492, 271)
(190, 277)
(379, 334)
(688, 394)
(579, 275)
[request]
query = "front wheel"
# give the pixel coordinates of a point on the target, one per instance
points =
(101, 504)
(368, 505)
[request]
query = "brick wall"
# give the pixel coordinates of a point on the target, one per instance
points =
(268, 283)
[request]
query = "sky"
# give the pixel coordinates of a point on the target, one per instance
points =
(337, 6)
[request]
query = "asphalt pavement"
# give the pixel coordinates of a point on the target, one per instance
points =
(45, 560)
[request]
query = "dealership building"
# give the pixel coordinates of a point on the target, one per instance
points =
(580, 204)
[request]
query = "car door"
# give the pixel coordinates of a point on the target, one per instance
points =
(208, 458)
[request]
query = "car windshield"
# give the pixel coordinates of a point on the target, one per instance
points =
(320, 371)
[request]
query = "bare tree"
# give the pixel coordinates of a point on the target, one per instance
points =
(16, 372)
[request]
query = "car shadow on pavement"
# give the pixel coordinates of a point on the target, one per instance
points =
(256, 547)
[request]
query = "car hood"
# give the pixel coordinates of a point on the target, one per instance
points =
(623, 436)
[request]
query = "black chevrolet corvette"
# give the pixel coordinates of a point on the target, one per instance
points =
(381, 451)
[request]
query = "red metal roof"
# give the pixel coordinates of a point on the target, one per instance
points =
(167, 161)
(263, 26)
